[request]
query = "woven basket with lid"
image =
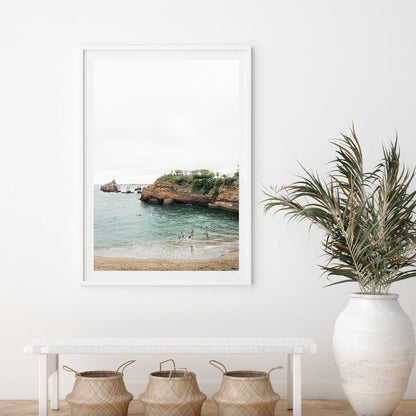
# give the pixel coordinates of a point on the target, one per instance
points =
(245, 393)
(99, 393)
(172, 393)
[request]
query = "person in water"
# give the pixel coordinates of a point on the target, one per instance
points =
(192, 249)
(206, 233)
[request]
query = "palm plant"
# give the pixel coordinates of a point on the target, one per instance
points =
(368, 217)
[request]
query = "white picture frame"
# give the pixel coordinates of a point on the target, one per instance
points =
(88, 57)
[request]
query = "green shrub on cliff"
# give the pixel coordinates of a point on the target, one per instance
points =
(202, 181)
(209, 185)
(230, 181)
(181, 179)
(205, 175)
(197, 185)
(218, 187)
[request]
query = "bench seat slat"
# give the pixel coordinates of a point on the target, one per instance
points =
(266, 345)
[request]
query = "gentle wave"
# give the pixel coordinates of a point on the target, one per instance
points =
(202, 249)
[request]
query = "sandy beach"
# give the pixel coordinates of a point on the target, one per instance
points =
(226, 262)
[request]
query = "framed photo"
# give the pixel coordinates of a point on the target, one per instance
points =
(166, 137)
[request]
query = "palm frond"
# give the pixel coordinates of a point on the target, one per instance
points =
(368, 217)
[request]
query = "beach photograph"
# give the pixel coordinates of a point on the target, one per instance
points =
(166, 159)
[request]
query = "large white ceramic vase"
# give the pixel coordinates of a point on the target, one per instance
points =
(374, 347)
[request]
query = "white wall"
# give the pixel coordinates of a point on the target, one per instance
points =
(318, 65)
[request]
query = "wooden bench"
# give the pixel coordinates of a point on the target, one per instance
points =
(49, 350)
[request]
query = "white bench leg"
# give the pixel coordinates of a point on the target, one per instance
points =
(43, 385)
(297, 384)
(294, 384)
(48, 367)
(54, 380)
(289, 382)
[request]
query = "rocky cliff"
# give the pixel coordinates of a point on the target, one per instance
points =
(167, 190)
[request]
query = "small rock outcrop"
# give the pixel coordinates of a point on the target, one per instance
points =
(226, 206)
(110, 187)
(168, 201)
(153, 200)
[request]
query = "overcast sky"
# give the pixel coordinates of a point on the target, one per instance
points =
(156, 115)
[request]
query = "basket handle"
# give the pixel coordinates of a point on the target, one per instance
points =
(70, 370)
(178, 368)
(166, 361)
(274, 368)
(217, 364)
(123, 366)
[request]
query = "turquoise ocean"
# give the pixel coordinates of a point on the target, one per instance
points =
(124, 226)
